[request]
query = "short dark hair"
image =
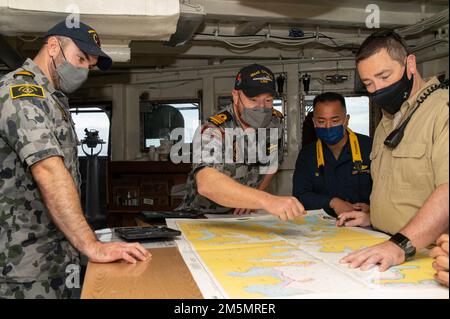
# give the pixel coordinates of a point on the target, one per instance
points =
(395, 45)
(329, 97)
(62, 39)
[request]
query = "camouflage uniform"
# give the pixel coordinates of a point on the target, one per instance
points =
(244, 173)
(35, 124)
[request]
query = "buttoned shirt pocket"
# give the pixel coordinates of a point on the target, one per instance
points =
(408, 158)
(375, 151)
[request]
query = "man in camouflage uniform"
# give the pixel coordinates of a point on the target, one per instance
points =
(41, 222)
(218, 185)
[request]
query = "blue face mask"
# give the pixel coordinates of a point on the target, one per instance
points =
(332, 135)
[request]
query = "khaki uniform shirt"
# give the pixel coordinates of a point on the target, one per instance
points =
(404, 178)
(241, 171)
(35, 124)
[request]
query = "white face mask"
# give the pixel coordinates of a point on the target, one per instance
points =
(70, 76)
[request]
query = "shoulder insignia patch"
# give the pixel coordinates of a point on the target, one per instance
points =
(26, 90)
(221, 118)
(277, 113)
(24, 73)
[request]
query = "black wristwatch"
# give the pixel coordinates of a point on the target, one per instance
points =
(405, 244)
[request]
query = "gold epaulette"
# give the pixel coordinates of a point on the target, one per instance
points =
(24, 73)
(221, 118)
(277, 113)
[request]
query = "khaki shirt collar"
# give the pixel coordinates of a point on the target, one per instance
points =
(411, 101)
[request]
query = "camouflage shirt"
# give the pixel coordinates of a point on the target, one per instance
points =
(35, 124)
(241, 170)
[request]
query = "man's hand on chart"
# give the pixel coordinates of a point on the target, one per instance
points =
(440, 256)
(108, 252)
(353, 219)
(386, 254)
(284, 207)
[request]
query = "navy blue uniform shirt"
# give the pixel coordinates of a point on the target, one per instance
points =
(315, 187)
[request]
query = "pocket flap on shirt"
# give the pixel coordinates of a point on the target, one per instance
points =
(375, 150)
(413, 150)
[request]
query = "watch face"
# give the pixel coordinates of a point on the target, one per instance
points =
(410, 250)
(410, 255)
(408, 245)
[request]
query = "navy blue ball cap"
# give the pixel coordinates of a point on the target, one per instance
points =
(87, 40)
(254, 80)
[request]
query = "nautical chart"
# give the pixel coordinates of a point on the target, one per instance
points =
(263, 257)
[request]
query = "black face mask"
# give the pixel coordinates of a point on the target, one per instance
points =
(392, 97)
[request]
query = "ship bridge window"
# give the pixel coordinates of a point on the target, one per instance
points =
(357, 108)
(159, 119)
(92, 117)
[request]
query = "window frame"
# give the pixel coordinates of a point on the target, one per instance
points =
(162, 102)
(105, 107)
(345, 94)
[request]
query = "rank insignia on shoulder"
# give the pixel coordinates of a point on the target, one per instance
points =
(272, 148)
(220, 118)
(24, 73)
(277, 113)
(26, 90)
